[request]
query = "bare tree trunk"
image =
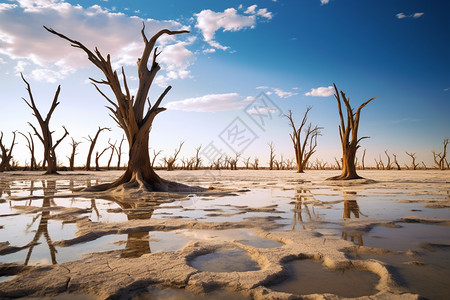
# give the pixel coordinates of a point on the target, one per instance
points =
(6, 153)
(388, 164)
(74, 145)
(272, 155)
(119, 152)
(349, 147)
(46, 133)
(97, 158)
(441, 162)
(93, 141)
(30, 146)
(171, 160)
(302, 155)
(197, 157)
(362, 160)
(155, 155)
(396, 162)
(128, 111)
(413, 158)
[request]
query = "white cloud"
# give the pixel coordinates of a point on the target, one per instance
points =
(251, 9)
(211, 103)
(414, 15)
(262, 87)
(262, 110)
(113, 33)
(323, 2)
(20, 67)
(208, 22)
(283, 94)
(209, 50)
(321, 92)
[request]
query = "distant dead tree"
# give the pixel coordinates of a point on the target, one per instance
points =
(388, 164)
(362, 160)
(424, 166)
(74, 145)
(413, 162)
(46, 134)
(234, 160)
(5, 163)
(155, 155)
(255, 164)
(302, 154)
(119, 151)
(217, 164)
(171, 160)
(197, 157)
(272, 155)
(93, 141)
(440, 158)
(97, 158)
(113, 149)
(128, 111)
(338, 163)
(349, 136)
(289, 163)
(30, 145)
(396, 162)
(247, 162)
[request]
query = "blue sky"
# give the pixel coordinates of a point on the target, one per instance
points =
(291, 50)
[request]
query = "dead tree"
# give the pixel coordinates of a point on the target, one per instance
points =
(5, 164)
(128, 111)
(113, 149)
(349, 136)
(439, 158)
(413, 162)
(97, 158)
(30, 145)
(362, 160)
(74, 145)
(197, 157)
(155, 155)
(234, 160)
(388, 164)
(255, 164)
(272, 155)
(171, 160)
(302, 154)
(338, 163)
(93, 141)
(396, 162)
(46, 134)
(247, 162)
(119, 152)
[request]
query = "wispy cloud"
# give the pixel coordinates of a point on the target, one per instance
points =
(208, 22)
(321, 92)
(93, 26)
(211, 103)
(323, 2)
(414, 15)
(279, 92)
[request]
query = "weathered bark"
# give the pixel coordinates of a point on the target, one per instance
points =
(113, 149)
(272, 155)
(439, 158)
(119, 152)
(128, 111)
(74, 145)
(302, 154)
(30, 145)
(350, 130)
(93, 141)
(6, 153)
(46, 134)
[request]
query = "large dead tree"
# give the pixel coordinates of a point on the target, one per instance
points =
(439, 158)
(6, 154)
(74, 145)
(30, 145)
(46, 134)
(92, 146)
(349, 136)
(128, 110)
(305, 148)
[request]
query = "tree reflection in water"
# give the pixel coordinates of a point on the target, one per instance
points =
(352, 207)
(302, 197)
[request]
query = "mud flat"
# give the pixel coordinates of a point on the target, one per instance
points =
(258, 235)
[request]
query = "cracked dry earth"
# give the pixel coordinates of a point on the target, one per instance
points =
(303, 237)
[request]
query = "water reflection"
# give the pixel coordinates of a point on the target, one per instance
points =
(303, 197)
(49, 188)
(351, 207)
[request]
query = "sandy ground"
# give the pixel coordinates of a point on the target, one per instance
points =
(297, 211)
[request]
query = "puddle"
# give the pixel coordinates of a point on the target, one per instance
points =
(181, 294)
(310, 277)
(226, 260)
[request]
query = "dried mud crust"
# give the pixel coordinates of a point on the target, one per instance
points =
(107, 275)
